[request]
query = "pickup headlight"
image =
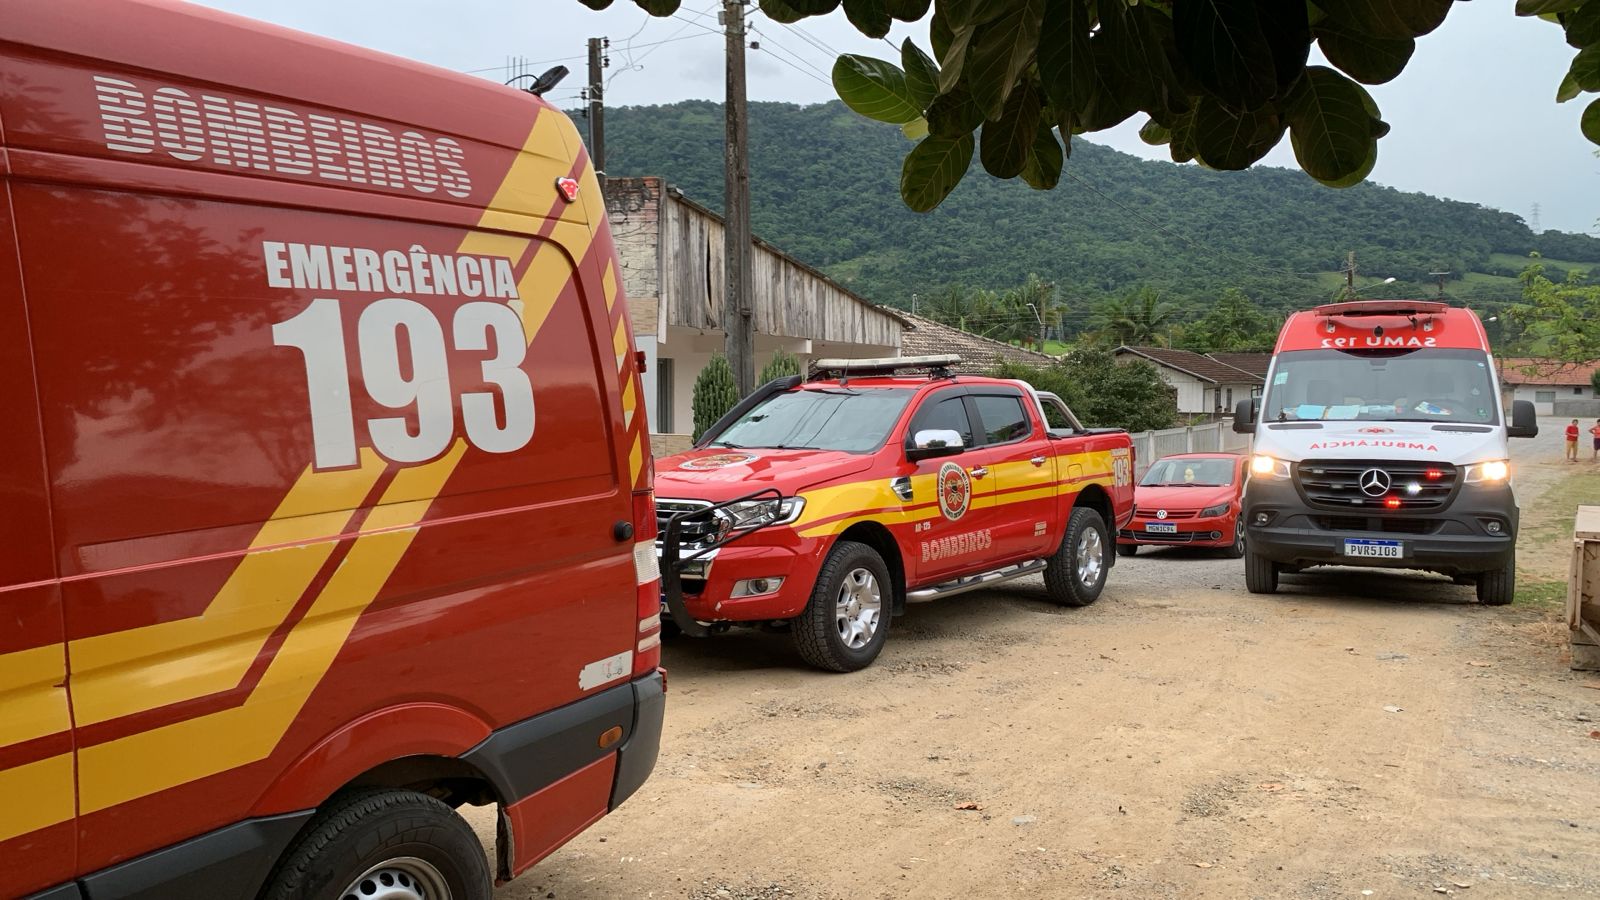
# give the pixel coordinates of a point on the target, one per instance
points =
(1218, 510)
(760, 513)
(1495, 471)
(1264, 466)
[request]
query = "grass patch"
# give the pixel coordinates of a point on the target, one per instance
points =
(1559, 503)
(1546, 595)
(1522, 262)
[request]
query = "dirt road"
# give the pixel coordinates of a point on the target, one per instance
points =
(1356, 733)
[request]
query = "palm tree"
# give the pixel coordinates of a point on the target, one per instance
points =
(1139, 319)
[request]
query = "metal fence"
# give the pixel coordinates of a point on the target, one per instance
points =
(1213, 437)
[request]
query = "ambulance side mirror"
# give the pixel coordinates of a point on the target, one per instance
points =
(1524, 420)
(1244, 415)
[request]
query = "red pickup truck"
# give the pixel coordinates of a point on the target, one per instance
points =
(825, 505)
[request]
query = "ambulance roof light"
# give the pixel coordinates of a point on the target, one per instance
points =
(1381, 308)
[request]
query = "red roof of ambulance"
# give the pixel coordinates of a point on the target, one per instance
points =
(1383, 325)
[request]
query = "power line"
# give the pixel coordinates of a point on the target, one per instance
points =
(819, 75)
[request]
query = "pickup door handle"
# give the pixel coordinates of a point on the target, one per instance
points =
(980, 471)
(1037, 460)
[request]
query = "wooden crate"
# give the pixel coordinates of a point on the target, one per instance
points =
(1583, 590)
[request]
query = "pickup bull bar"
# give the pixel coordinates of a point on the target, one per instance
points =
(672, 563)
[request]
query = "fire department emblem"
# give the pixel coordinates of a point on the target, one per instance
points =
(955, 491)
(717, 461)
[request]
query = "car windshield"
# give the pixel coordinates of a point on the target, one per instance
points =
(855, 420)
(1197, 472)
(1426, 385)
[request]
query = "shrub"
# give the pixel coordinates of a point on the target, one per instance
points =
(714, 394)
(782, 366)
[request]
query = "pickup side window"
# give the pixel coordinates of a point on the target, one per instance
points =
(1003, 418)
(946, 412)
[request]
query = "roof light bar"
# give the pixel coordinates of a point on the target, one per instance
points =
(1381, 308)
(885, 365)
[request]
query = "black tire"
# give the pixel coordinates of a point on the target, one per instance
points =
(1496, 588)
(1127, 549)
(1066, 584)
(358, 833)
(817, 630)
(1236, 550)
(1260, 573)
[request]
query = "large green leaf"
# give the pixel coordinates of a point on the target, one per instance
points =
(953, 61)
(1331, 126)
(875, 89)
(1225, 46)
(596, 4)
(1388, 18)
(915, 130)
(1288, 30)
(812, 7)
(1543, 7)
(922, 76)
(1591, 122)
(1043, 171)
(1583, 25)
(1367, 59)
(909, 10)
(1231, 140)
(870, 17)
(953, 113)
(659, 7)
(1568, 89)
(1066, 62)
(1008, 141)
(1585, 71)
(960, 13)
(781, 11)
(1000, 50)
(933, 169)
(1155, 134)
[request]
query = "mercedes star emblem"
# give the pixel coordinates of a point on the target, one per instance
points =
(1375, 482)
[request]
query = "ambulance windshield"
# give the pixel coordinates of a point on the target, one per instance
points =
(855, 420)
(1425, 385)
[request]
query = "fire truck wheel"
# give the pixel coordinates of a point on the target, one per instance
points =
(398, 845)
(845, 623)
(1496, 588)
(1076, 573)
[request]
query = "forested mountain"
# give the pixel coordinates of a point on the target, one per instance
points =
(825, 188)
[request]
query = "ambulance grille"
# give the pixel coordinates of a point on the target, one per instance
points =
(1347, 484)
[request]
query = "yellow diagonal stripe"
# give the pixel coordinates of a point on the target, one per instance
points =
(37, 795)
(608, 283)
(33, 694)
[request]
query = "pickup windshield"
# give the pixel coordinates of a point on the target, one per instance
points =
(1197, 472)
(1425, 385)
(849, 419)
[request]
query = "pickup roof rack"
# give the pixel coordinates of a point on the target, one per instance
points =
(1382, 308)
(937, 366)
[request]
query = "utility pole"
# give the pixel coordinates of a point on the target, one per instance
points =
(1350, 276)
(736, 208)
(1439, 277)
(598, 61)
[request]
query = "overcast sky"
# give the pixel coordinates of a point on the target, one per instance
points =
(1474, 114)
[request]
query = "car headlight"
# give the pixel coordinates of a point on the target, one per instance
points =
(760, 513)
(1495, 471)
(1264, 466)
(1218, 510)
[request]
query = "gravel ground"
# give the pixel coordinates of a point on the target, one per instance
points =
(1359, 734)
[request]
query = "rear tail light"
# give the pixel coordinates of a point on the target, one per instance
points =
(647, 572)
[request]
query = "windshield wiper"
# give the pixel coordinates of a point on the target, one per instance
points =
(729, 444)
(794, 447)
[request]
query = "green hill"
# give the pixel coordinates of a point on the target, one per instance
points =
(825, 188)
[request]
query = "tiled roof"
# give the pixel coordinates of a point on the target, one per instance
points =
(1254, 363)
(1525, 370)
(978, 354)
(1187, 361)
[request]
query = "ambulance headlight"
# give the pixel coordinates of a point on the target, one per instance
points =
(1264, 466)
(761, 513)
(1495, 471)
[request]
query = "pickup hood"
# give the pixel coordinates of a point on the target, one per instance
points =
(1157, 497)
(719, 474)
(1419, 441)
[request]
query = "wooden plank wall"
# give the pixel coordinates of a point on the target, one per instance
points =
(790, 300)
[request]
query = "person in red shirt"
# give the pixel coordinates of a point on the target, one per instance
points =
(1572, 441)
(1594, 432)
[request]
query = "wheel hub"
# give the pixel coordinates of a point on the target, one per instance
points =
(1089, 557)
(407, 878)
(858, 609)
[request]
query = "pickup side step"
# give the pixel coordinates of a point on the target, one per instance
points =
(973, 582)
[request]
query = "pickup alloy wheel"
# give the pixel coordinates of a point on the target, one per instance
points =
(1076, 573)
(845, 623)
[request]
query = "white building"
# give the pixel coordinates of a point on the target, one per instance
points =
(671, 253)
(1555, 388)
(1204, 386)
